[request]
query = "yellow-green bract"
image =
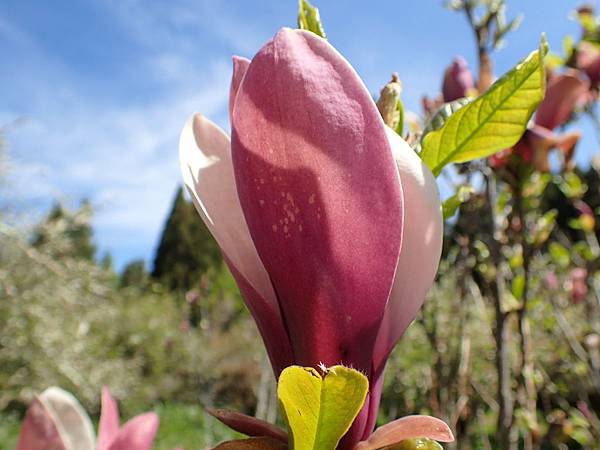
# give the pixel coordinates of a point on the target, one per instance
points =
(493, 122)
(319, 409)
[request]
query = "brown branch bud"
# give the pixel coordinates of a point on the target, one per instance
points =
(388, 102)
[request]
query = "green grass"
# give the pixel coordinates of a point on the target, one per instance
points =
(9, 430)
(188, 427)
(185, 426)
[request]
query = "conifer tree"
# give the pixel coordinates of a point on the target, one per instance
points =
(186, 249)
(134, 274)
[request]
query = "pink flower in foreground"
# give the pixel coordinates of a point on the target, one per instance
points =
(56, 421)
(328, 220)
(458, 80)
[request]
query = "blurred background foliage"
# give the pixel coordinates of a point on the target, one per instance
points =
(67, 319)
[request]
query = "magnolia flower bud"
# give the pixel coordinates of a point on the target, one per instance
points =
(458, 80)
(587, 59)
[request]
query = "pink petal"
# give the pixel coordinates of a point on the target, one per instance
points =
(567, 143)
(588, 60)
(320, 194)
(534, 146)
(375, 389)
(205, 159)
(363, 425)
(421, 248)
(269, 323)
(250, 426)
(38, 431)
(564, 94)
(137, 434)
(578, 284)
(71, 420)
(240, 65)
(109, 420)
(410, 427)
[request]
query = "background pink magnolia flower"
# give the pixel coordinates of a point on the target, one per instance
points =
(137, 433)
(56, 421)
(551, 281)
(587, 59)
(565, 93)
(458, 80)
(328, 220)
(577, 284)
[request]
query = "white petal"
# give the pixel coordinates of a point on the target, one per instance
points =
(205, 159)
(421, 246)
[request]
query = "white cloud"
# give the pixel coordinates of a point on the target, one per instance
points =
(176, 24)
(120, 154)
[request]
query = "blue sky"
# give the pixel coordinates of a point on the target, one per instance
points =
(105, 86)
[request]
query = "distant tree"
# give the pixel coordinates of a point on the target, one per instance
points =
(107, 262)
(72, 228)
(186, 249)
(134, 274)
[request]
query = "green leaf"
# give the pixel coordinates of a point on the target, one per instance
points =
(574, 224)
(482, 250)
(400, 127)
(441, 116)
(571, 185)
(320, 410)
(568, 46)
(493, 122)
(517, 287)
(543, 227)
(560, 255)
(452, 203)
(584, 250)
(515, 260)
(309, 19)
(536, 184)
